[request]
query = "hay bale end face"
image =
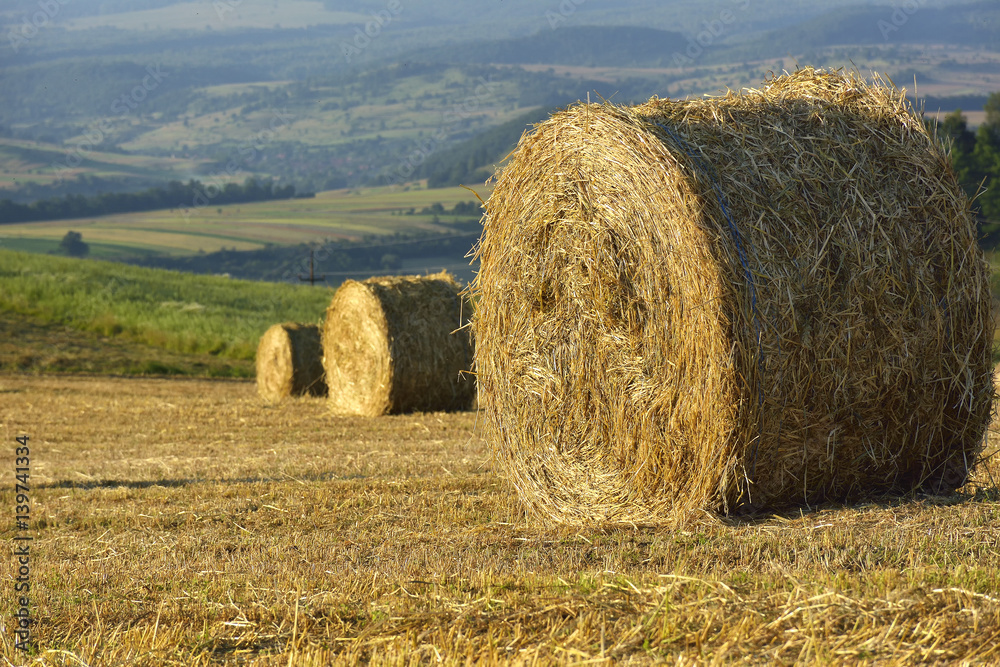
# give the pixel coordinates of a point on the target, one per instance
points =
(290, 362)
(766, 298)
(395, 344)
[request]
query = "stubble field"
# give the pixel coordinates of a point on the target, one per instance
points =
(185, 522)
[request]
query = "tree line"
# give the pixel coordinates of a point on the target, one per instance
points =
(976, 159)
(193, 194)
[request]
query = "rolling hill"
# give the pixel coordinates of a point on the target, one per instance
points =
(973, 25)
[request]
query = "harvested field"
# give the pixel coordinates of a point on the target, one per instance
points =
(184, 522)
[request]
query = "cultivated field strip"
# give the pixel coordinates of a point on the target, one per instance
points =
(340, 214)
(186, 522)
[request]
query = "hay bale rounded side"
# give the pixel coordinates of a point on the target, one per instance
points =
(392, 345)
(765, 298)
(290, 362)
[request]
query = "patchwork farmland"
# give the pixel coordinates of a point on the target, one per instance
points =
(331, 215)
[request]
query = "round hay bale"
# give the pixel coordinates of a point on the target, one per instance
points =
(765, 298)
(395, 344)
(290, 362)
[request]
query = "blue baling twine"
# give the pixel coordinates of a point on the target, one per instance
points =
(741, 253)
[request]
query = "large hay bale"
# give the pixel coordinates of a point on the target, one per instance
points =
(392, 345)
(764, 298)
(290, 362)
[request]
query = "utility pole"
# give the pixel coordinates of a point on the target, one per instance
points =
(313, 278)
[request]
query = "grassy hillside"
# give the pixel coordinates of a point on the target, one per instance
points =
(474, 160)
(33, 345)
(163, 309)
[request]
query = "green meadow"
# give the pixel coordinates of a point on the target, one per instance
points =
(166, 309)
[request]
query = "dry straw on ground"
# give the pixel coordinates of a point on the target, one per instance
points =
(290, 362)
(395, 344)
(764, 298)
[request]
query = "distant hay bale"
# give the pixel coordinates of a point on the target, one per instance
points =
(766, 298)
(290, 362)
(391, 346)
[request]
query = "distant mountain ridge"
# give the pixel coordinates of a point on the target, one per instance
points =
(585, 46)
(975, 24)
